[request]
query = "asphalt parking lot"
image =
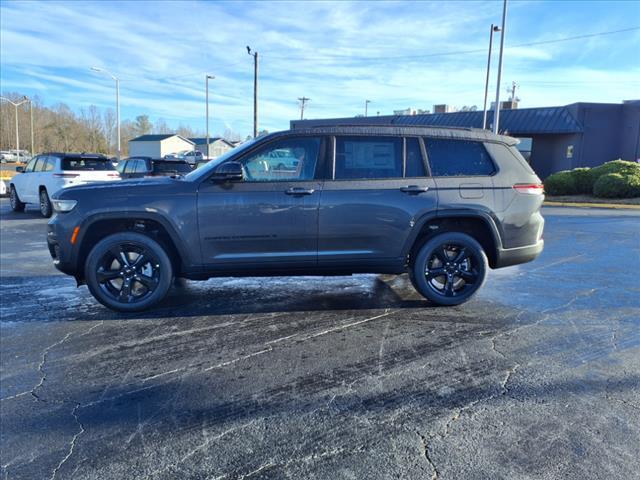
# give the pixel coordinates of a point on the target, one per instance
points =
(338, 378)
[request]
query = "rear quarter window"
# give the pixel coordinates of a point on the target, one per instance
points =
(450, 158)
(88, 164)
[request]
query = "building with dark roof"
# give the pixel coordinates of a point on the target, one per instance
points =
(552, 138)
(217, 146)
(157, 146)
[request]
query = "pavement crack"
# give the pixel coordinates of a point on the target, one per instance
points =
(72, 445)
(425, 448)
(43, 361)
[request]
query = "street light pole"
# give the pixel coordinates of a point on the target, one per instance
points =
(496, 112)
(33, 152)
(494, 28)
(117, 80)
(366, 107)
(16, 105)
(206, 82)
(255, 91)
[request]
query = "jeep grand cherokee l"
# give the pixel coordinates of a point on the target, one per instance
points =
(442, 204)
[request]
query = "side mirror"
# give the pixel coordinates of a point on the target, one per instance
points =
(20, 169)
(229, 172)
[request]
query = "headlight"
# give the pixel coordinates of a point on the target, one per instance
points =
(63, 205)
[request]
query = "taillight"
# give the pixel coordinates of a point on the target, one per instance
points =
(529, 188)
(113, 175)
(66, 175)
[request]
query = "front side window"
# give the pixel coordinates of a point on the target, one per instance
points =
(368, 157)
(284, 160)
(39, 164)
(449, 158)
(31, 164)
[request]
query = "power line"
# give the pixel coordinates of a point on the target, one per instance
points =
(458, 52)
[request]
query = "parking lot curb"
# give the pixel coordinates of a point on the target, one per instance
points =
(591, 205)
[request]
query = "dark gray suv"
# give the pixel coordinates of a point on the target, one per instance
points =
(442, 204)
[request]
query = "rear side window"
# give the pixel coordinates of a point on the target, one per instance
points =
(75, 163)
(50, 165)
(368, 157)
(171, 167)
(450, 158)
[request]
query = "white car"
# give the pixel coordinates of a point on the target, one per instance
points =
(47, 173)
(3, 188)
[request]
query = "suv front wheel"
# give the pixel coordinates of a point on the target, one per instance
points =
(449, 268)
(128, 272)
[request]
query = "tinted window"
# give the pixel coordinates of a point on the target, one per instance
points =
(171, 167)
(458, 158)
(288, 159)
(130, 167)
(121, 165)
(141, 166)
(79, 163)
(415, 164)
(368, 157)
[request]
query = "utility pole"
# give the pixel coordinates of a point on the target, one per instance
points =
(496, 113)
(303, 101)
(494, 28)
(255, 91)
(31, 119)
(512, 91)
(206, 83)
(366, 107)
(16, 105)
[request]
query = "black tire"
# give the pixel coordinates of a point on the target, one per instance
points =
(14, 200)
(449, 268)
(130, 283)
(45, 203)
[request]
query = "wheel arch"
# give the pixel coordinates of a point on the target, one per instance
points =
(477, 224)
(96, 227)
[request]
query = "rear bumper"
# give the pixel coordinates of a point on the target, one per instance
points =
(514, 256)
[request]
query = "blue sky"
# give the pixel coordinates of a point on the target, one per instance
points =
(338, 54)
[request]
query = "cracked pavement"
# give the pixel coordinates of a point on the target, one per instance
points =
(343, 377)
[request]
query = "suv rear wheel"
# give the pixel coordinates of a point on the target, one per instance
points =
(14, 200)
(449, 268)
(45, 203)
(128, 272)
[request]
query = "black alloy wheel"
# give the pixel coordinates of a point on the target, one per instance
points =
(450, 268)
(128, 272)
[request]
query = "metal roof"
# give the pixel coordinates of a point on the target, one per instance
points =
(203, 140)
(526, 121)
(158, 138)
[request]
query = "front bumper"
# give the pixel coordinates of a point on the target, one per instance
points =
(514, 256)
(60, 248)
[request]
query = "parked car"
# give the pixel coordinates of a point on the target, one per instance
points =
(47, 173)
(442, 204)
(190, 156)
(138, 167)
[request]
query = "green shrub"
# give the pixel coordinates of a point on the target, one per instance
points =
(621, 167)
(561, 183)
(583, 180)
(616, 185)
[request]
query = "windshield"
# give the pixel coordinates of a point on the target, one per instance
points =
(208, 168)
(75, 163)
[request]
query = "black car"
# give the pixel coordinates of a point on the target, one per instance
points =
(138, 167)
(442, 204)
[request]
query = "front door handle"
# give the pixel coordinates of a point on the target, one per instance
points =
(299, 191)
(413, 189)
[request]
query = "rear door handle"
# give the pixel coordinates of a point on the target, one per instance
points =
(413, 189)
(299, 191)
